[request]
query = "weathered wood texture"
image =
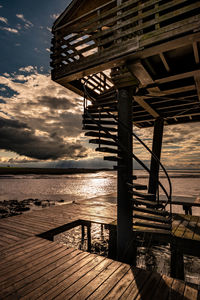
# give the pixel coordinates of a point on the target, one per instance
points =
(93, 41)
(39, 269)
(53, 220)
(159, 41)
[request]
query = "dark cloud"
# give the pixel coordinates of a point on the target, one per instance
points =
(20, 138)
(55, 102)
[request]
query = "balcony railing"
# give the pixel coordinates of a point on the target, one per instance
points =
(114, 31)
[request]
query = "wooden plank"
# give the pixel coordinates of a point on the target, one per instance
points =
(23, 282)
(190, 229)
(163, 289)
(196, 52)
(81, 282)
(149, 287)
(107, 286)
(70, 278)
(135, 287)
(178, 77)
(196, 236)
(52, 278)
(17, 245)
(89, 289)
(190, 293)
(197, 82)
(165, 63)
(140, 100)
(177, 290)
(27, 258)
(17, 234)
(121, 286)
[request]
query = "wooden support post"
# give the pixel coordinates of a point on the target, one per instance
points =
(125, 251)
(156, 149)
(112, 250)
(82, 233)
(89, 236)
(177, 262)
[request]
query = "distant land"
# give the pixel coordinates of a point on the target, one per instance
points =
(47, 171)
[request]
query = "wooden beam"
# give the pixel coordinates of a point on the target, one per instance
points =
(138, 70)
(165, 63)
(196, 52)
(146, 106)
(177, 77)
(156, 149)
(197, 81)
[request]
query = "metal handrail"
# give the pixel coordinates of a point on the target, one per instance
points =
(169, 196)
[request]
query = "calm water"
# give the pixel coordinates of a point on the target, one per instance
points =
(85, 186)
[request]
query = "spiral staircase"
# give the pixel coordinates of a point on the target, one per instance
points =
(100, 121)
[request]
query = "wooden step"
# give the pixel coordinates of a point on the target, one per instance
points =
(101, 135)
(152, 225)
(101, 122)
(112, 90)
(106, 97)
(151, 211)
(148, 203)
(137, 186)
(97, 116)
(98, 109)
(96, 128)
(102, 104)
(102, 142)
(159, 219)
(107, 149)
(143, 195)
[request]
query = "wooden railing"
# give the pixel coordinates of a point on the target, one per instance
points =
(115, 29)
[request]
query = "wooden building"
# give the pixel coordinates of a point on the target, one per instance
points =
(135, 62)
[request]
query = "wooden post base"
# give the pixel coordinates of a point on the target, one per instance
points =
(177, 262)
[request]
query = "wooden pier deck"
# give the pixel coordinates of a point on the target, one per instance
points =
(36, 268)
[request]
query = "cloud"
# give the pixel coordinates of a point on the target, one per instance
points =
(19, 137)
(11, 30)
(46, 118)
(1, 6)
(27, 24)
(4, 20)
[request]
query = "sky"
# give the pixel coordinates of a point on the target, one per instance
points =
(40, 121)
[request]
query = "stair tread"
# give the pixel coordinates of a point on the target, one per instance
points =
(96, 128)
(96, 116)
(143, 195)
(102, 104)
(137, 186)
(150, 211)
(107, 149)
(101, 134)
(149, 203)
(98, 109)
(102, 142)
(152, 218)
(151, 231)
(152, 225)
(104, 122)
